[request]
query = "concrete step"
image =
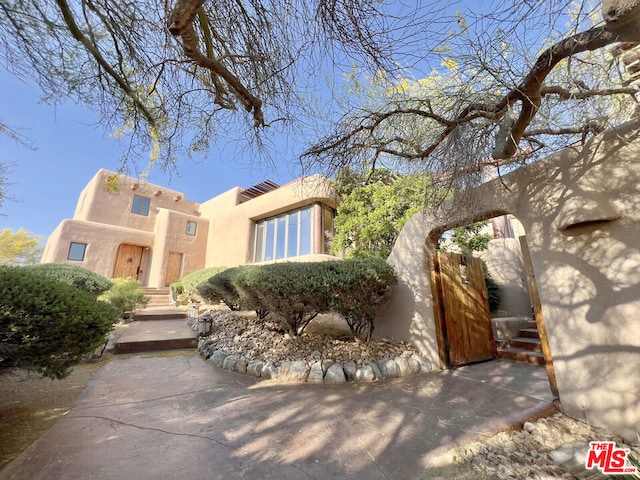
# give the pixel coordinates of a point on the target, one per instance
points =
(156, 335)
(160, 312)
(521, 355)
(531, 344)
(529, 333)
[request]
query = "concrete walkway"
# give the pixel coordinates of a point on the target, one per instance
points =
(174, 415)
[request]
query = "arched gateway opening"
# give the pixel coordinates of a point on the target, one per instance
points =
(581, 212)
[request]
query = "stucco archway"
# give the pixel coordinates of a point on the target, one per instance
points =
(581, 211)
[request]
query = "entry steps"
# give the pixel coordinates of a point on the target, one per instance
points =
(525, 347)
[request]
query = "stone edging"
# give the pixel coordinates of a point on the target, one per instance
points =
(321, 371)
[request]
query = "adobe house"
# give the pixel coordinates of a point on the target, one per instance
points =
(580, 209)
(156, 235)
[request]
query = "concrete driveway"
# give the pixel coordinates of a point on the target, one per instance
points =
(178, 416)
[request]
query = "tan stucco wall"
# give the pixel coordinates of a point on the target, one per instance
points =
(231, 231)
(588, 276)
(504, 261)
(97, 205)
(102, 244)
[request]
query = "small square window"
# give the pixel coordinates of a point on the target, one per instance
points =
(140, 205)
(191, 227)
(76, 251)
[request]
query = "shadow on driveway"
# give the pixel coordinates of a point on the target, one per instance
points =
(177, 416)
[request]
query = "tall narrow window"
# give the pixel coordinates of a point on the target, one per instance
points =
(191, 227)
(76, 251)
(140, 205)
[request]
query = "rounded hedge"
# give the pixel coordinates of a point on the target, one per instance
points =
(47, 325)
(73, 275)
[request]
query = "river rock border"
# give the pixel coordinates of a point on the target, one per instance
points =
(317, 371)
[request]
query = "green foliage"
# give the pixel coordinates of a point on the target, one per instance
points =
(125, 296)
(469, 238)
(220, 288)
(47, 325)
(75, 276)
(374, 206)
(185, 290)
(293, 292)
(297, 292)
(358, 288)
(19, 248)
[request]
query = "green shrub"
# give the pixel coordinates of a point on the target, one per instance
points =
(358, 287)
(185, 290)
(297, 292)
(75, 276)
(221, 288)
(125, 296)
(293, 292)
(47, 325)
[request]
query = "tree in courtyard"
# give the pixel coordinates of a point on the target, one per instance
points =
(373, 208)
(172, 77)
(19, 248)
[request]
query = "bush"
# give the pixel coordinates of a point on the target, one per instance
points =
(221, 288)
(75, 276)
(185, 290)
(46, 325)
(294, 292)
(358, 288)
(125, 296)
(297, 292)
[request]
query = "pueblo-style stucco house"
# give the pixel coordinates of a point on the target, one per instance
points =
(156, 235)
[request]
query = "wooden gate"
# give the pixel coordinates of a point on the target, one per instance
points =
(129, 262)
(461, 309)
(174, 265)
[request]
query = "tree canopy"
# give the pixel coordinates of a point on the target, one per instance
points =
(171, 78)
(19, 248)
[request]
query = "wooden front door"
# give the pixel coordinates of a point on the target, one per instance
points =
(174, 265)
(129, 262)
(462, 310)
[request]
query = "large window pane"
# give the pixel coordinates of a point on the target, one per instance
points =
(259, 254)
(305, 232)
(292, 237)
(269, 239)
(281, 237)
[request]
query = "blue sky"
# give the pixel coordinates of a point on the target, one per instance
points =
(69, 148)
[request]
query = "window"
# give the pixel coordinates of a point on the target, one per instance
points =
(191, 227)
(284, 236)
(140, 205)
(76, 251)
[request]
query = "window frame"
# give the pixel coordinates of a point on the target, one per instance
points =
(71, 247)
(195, 228)
(276, 234)
(141, 205)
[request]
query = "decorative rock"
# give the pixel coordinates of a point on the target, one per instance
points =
(388, 367)
(269, 371)
(315, 373)
(376, 370)
(425, 364)
(365, 374)
(403, 366)
(254, 367)
(414, 365)
(335, 374)
(529, 427)
(326, 364)
(349, 369)
(570, 455)
(218, 356)
(296, 371)
(235, 363)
